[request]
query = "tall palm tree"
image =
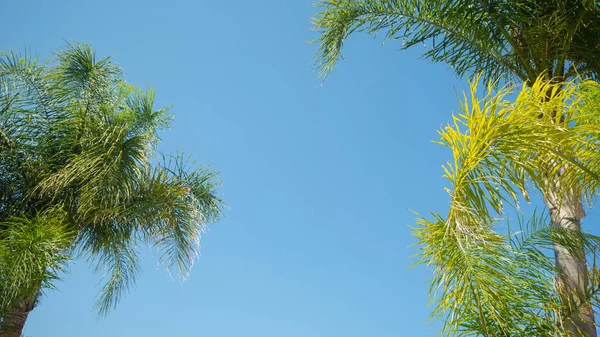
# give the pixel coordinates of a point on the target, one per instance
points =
(80, 175)
(520, 38)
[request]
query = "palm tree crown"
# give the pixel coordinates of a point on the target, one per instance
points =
(80, 175)
(488, 280)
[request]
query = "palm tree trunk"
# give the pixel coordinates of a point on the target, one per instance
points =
(566, 211)
(14, 319)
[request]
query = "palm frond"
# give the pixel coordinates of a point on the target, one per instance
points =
(33, 251)
(111, 248)
(144, 118)
(493, 38)
(481, 286)
(192, 204)
(80, 74)
(169, 208)
(458, 32)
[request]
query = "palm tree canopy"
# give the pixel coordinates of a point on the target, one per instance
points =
(524, 38)
(80, 175)
(488, 281)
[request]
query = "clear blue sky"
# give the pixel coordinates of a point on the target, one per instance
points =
(320, 179)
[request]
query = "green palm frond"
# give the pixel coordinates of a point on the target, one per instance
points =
(144, 118)
(169, 209)
(29, 80)
(112, 248)
(33, 251)
(459, 32)
(493, 38)
(79, 75)
(197, 205)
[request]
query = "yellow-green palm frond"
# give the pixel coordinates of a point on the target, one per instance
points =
(491, 283)
(498, 146)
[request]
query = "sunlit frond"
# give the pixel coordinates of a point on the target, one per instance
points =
(492, 283)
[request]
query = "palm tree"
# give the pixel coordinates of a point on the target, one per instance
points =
(80, 175)
(520, 38)
(497, 282)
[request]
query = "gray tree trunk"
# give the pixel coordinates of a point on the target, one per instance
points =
(566, 211)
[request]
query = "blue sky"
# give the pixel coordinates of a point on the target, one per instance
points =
(320, 177)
